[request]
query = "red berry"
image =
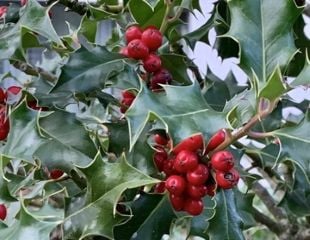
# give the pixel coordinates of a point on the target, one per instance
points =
(2, 95)
(199, 175)
(14, 90)
(193, 206)
(211, 187)
(3, 212)
(160, 140)
(177, 202)
(222, 161)
(186, 161)
(196, 192)
(160, 187)
(160, 157)
(133, 32)
(216, 140)
(128, 94)
(14, 94)
(3, 10)
(124, 51)
(4, 124)
(152, 63)
(161, 77)
(176, 184)
(227, 180)
(56, 173)
(168, 167)
(152, 38)
(137, 49)
(193, 143)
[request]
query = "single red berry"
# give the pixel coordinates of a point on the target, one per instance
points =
(3, 10)
(161, 77)
(124, 51)
(211, 188)
(196, 192)
(152, 63)
(160, 187)
(186, 161)
(168, 167)
(176, 185)
(222, 161)
(132, 33)
(160, 157)
(198, 176)
(216, 140)
(4, 124)
(152, 38)
(227, 180)
(160, 139)
(56, 173)
(193, 206)
(127, 101)
(137, 49)
(14, 94)
(3, 212)
(128, 94)
(14, 90)
(177, 202)
(192, 143)
(2, 95)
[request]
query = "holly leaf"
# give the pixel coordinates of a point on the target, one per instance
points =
(24, 138)
(105, 184)
(303, 77)
(265, 38)
(28, 226)
(244, 205)
(88, 70)
(226, 223)
(149, 211)
(294, 142)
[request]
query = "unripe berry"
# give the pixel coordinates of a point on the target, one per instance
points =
(216, 140)
(175, 185)
(222, 161)
(186, 161)
(137, 49)
(152, 63)
(193, 206)
(132, 33)
(152, 38)
(227, 180)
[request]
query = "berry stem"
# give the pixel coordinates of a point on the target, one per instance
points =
(167, 20)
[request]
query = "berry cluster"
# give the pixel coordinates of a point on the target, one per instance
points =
(127, 99)
(190, 174)
(3, 212)
(142, 45)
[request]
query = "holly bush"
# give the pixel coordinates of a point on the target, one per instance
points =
(129, 140)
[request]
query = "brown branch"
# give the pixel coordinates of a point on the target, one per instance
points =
(34, 71)
(268, 222)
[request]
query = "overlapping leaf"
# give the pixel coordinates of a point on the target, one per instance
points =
(265, 38)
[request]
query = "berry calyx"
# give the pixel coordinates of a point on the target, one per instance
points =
(132, 33)
(192, 143)
(152, 63)
(193, 206)
(137, 49)
(227, 180)
(175, 185)
(186, 161)
(152, 38)
(3, 212)
(216, 140)
(56, 173)
(222, 161)
(177, 202)
(198, 176)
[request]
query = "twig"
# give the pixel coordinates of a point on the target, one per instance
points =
(268, 222)
(34, 71)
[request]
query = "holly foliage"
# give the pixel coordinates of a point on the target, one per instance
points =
(103, 148)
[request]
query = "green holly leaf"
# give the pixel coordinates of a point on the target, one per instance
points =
(88, 70)
(11, 37)
(226, 223)
(66, 137)
(294, 142)
(244, 205)
(149, 211)
(27, 226)
(24, 138)
(106, 182)
(303, 77)
(265, 38)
